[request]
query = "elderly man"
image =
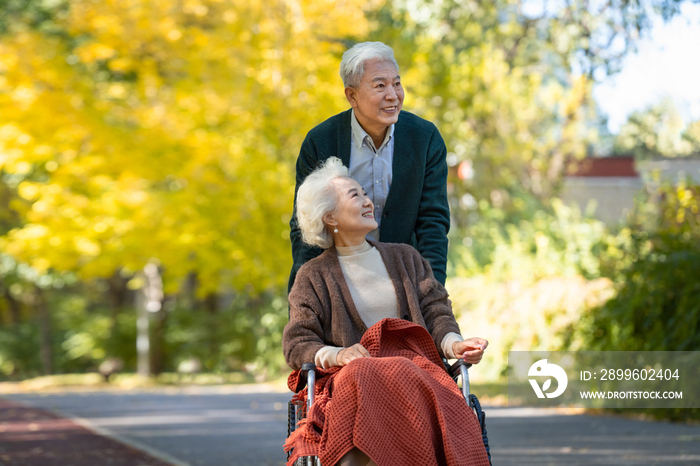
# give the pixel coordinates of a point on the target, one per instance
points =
(397, 158)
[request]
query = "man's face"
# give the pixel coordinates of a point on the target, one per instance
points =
(378, 99)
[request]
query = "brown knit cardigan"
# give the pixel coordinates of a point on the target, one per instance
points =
(322, 312)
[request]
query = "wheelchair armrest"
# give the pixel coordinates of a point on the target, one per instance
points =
(454, 370)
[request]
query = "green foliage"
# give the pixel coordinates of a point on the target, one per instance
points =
(510, 86)
(244, 334)
(548, 243)
(657, 307)
(658, 131)
(37, 14)
(521, 314)
(19, 351)
(82, 334)
(540, 273)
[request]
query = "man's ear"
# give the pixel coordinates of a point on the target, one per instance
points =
(351, 95)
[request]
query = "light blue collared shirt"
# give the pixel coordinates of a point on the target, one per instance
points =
(371, 167)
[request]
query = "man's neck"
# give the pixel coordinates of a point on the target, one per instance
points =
(377, 134)
(379, 139)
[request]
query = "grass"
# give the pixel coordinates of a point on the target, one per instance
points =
(124, 381)
(490, 393)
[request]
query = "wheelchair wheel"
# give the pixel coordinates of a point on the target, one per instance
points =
(294, 414)
(481, 416)
(291, 419)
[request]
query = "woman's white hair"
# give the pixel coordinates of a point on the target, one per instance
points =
(316, 197)
(352, 67)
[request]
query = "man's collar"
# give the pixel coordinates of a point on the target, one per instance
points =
(359, 134)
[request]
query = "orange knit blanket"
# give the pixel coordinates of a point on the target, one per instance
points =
(400, 407)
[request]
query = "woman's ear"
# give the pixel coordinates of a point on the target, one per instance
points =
(329, 219)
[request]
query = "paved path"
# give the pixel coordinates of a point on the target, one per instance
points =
(35, 437)
(531, 436)
(238, 426)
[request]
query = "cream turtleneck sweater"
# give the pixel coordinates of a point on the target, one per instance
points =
(372, 293)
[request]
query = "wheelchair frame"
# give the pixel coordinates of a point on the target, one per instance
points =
(459, 369)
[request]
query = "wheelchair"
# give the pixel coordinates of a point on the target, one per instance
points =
(458, 370)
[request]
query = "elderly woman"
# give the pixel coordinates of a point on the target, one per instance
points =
(356, 285)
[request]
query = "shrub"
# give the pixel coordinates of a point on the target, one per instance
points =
(657, 304)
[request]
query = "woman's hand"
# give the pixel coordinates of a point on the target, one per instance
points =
(471, 349)
(346, 355)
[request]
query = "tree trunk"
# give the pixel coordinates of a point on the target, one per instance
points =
(149, 301)
(14, 308)
(211, 305)
(143, 340)
(45, 352)
(158, 342)
(117, 294)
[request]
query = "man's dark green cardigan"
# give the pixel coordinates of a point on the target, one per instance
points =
(416, 210)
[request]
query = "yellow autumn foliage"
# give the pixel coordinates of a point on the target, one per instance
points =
(162, 130)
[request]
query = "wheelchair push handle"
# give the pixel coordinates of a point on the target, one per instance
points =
(308, 370)
(461, 367)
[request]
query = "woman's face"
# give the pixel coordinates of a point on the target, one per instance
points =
(354, 213)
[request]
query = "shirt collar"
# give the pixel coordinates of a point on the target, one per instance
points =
(359, 134)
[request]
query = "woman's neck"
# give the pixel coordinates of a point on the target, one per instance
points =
(344, 241)
(353, 250)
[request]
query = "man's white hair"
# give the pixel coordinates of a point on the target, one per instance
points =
(352, 66)
(316, 197)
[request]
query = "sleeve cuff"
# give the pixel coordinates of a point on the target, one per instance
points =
(446, 344)
(326, 357)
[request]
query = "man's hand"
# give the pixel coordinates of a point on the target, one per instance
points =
(346, 355)
(471, 349)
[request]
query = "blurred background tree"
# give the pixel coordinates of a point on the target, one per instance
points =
(147, 131)
(138, 132)
(659, 131)
(509, 85)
